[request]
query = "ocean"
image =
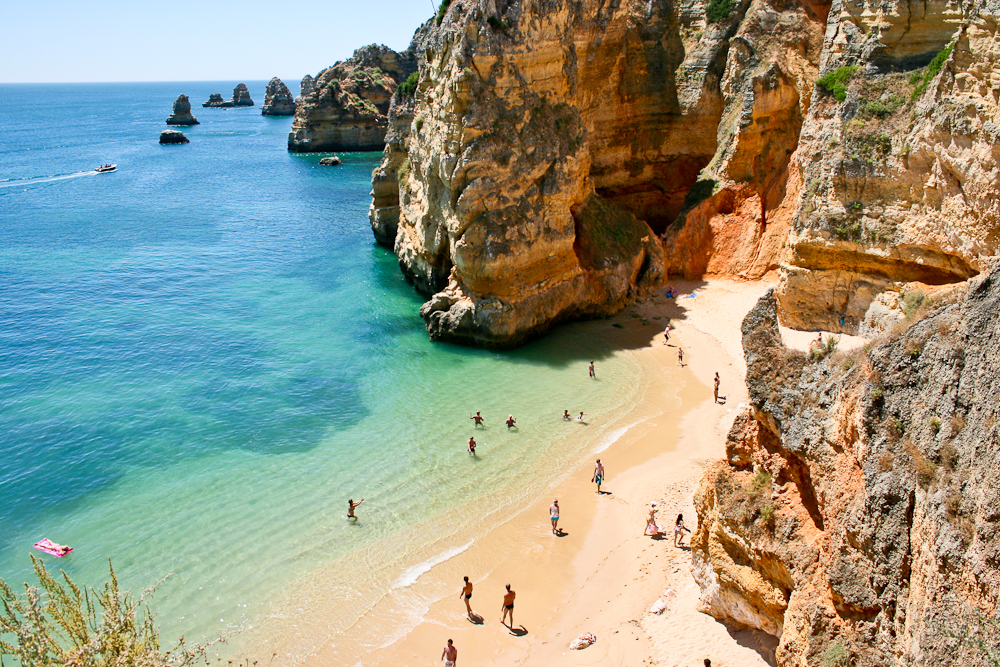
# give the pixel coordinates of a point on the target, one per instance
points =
(204, 354)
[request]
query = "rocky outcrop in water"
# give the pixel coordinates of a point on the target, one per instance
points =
(182, 113)
(857, 516)
(277, 100)
(305, 89)
(241, 98)
(331, 161)
(173, 137)
(215, 100)
(346, 108)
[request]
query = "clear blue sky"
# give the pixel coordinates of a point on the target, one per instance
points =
(203, 40)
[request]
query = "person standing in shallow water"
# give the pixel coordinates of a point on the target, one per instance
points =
(472, 446)
(508, 607)
(350, 507)
(511, 422)
(466, 594)
(478, 418)
(593, 373)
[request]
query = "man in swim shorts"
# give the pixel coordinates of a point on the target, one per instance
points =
(598, 474)
(478, 418)
(508, 606)
(593, 374)
(449, 654)
(467, 594)
(472, 446)
(566, 415)
(511, 422)
(554, 515)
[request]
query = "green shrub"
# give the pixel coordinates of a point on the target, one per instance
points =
(767, 514)
(442, 10)
(718, 10)
(880, 108)
(761, 480)
(497, 24)
(932, 71)
(410, 85)
(935, 424)
(836, 656)
(699, 192)
(67, 624)
(836, 81)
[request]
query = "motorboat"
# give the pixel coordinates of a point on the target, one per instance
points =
(105, 168)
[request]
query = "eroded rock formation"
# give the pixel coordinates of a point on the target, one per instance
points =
(308, 83)
(241, 98)
(173, 137)
(277, 100)
(182, 113)
(346, 107)
(857, 516)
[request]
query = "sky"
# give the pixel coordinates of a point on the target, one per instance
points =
(62, 41)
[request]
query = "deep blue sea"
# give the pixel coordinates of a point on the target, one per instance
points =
(204, 354)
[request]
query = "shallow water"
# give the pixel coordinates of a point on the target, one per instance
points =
(204, 354)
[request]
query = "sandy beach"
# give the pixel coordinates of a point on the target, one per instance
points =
(602, 575)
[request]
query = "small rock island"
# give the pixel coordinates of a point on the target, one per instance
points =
(241, 98)
(182, 113)
(173, 137)
(278, 100)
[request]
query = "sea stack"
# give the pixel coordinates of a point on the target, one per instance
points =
(173, 137)
(308, 83)
(331, 161)
(182, 113)
(277, 100)
(241, 96)
(214, 100)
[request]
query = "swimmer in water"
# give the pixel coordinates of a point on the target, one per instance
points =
(350, 507)
(566, 415)
(511, 422)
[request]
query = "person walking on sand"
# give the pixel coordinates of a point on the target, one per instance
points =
(466, 594)
(680, 357)
(679, 529)
(666, 334)
(593, 374)
(598, 474)
(511, 422)
(350, 507)
(716, 387)
(554, 515)
(449, 654)
(508, 606)
(651, 521)
(478, 418)
(472, 446)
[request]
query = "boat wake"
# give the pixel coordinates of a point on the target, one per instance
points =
(21, 182)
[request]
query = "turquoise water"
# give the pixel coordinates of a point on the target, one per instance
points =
(204, 354)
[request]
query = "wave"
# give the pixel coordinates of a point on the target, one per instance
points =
(18, 182)
(411, 575)
(612, 438)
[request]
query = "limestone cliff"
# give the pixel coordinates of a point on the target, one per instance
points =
(277, 99)
(899, 159)
(857, 516)
(182, 112)
(305, 88)
(347, 106)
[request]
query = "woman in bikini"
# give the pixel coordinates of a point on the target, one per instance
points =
(651, 521)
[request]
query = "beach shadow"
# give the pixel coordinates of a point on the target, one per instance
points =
(475, 619)
(561, 533)
(658, 536)
(519, 631)
(683, 547)
(755, 640)
(604, 493)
